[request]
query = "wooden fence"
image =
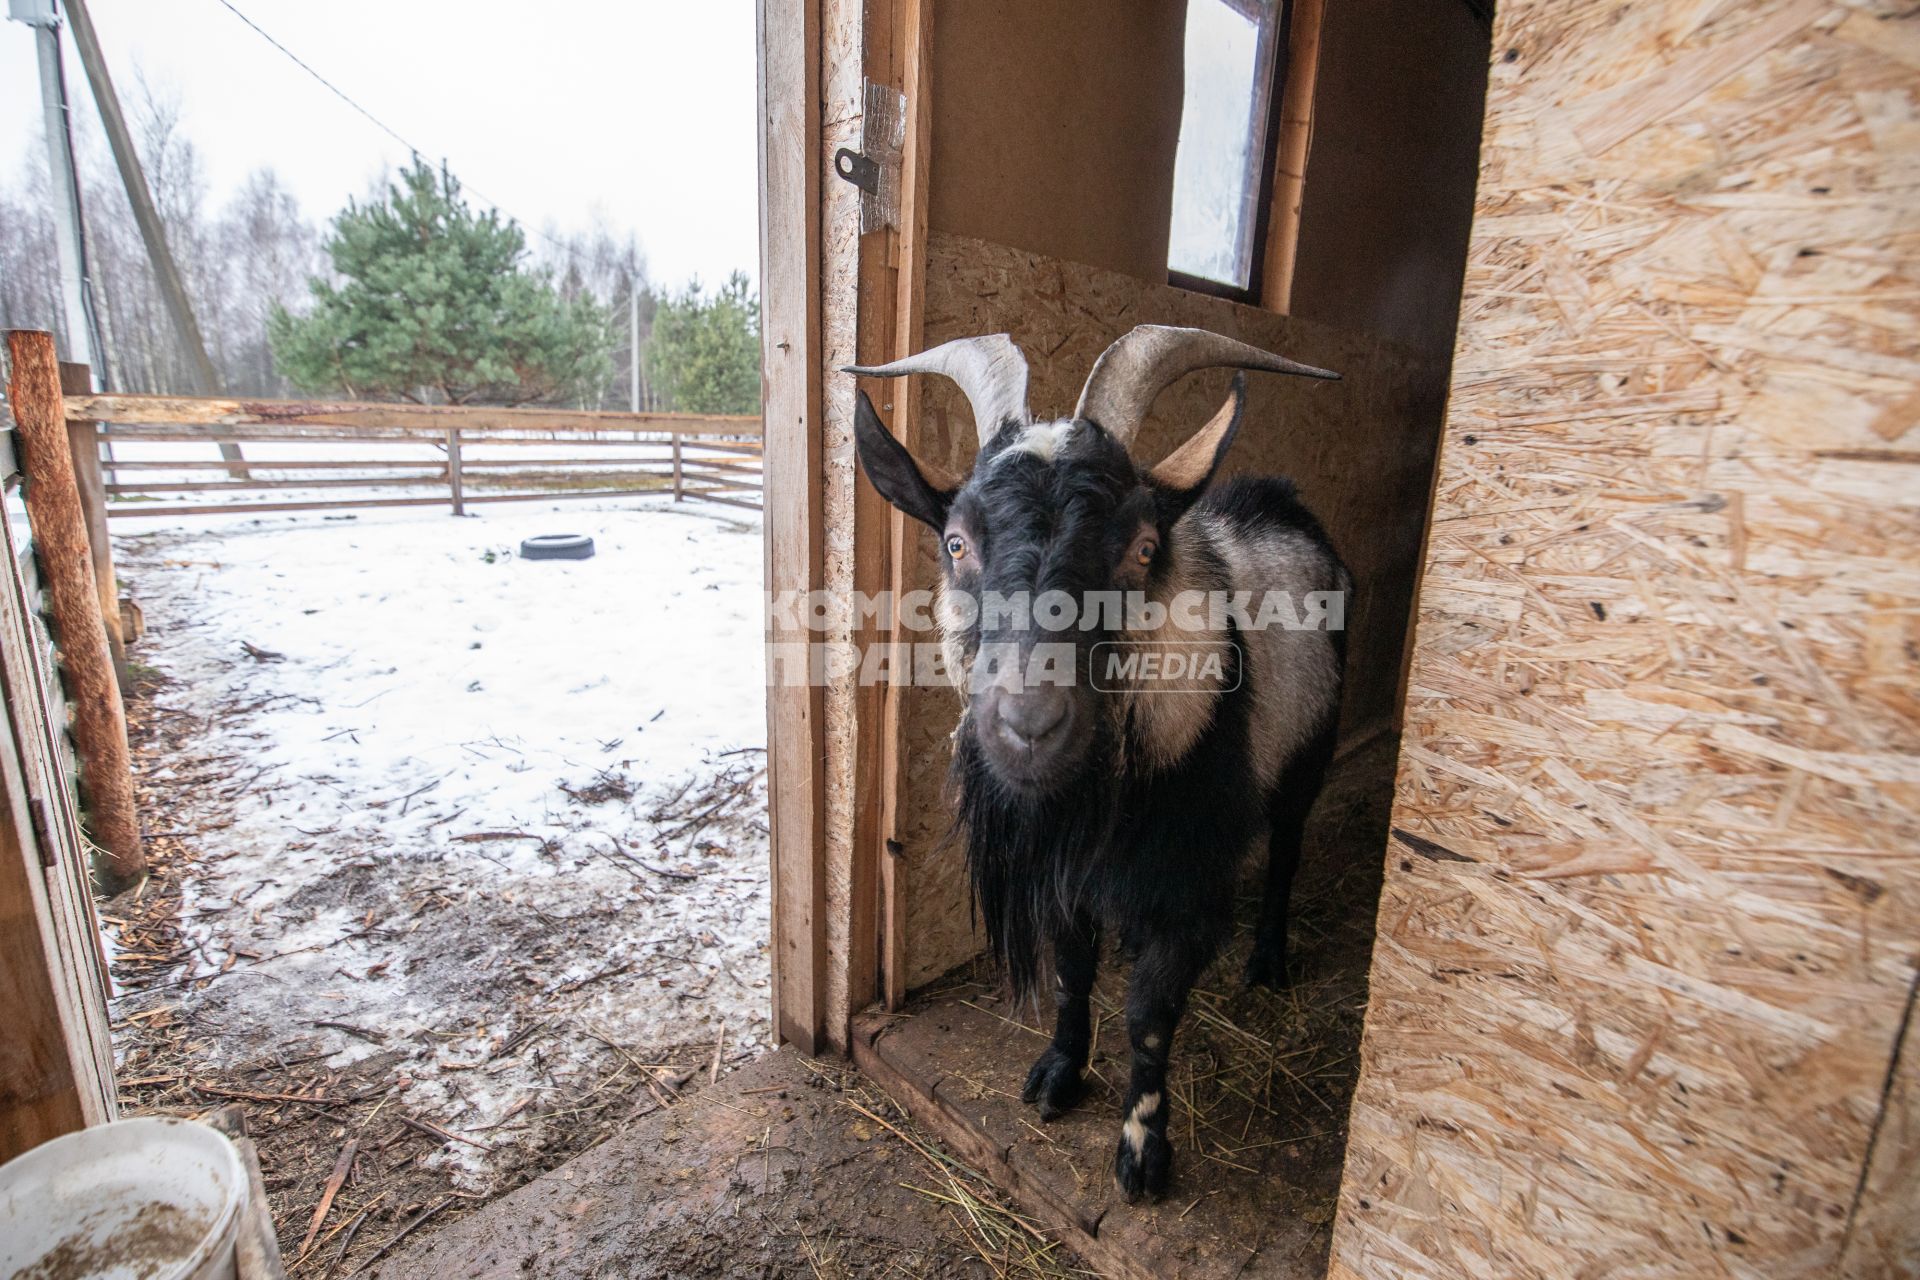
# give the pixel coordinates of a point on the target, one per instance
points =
(56, 1067)
(472, 454)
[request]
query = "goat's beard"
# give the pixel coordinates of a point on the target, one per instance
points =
(1029, 855)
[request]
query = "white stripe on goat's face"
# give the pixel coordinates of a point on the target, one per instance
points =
(954, 652)
(1043, 440)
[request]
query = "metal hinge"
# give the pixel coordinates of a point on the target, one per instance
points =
(42, 831)
(875, 167)
(857, 169)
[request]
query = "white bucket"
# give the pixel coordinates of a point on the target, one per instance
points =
(147, 1199)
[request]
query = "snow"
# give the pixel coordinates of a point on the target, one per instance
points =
(447, 791)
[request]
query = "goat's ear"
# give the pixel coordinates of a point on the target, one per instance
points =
(1183, 475)
(917, 488)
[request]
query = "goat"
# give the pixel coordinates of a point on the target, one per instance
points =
(1097, 802)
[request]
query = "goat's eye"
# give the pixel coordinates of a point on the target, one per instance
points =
(956, 546)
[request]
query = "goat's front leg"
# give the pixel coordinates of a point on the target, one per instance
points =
(1156, 997)
(1055, 1082)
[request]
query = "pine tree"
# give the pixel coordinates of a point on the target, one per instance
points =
(705, 352)
(437, 304)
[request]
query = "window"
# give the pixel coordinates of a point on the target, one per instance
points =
(1220, 171)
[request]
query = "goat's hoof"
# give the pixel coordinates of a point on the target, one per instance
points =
(1143, 1165)
(1054, 1085)
(1267, 967)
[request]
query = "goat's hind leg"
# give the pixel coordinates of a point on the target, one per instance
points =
(1293, 799)
(1055, 1083)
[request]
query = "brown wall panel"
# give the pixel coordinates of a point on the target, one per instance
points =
(1389, 178)
(1056, 122)
(1054, 126)
(1361, 450)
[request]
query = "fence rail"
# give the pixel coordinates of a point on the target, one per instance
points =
(215, 411)
(474, 454)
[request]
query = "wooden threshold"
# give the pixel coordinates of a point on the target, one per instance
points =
(912, 1080)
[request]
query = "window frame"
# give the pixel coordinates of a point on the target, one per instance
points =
(1275, 38)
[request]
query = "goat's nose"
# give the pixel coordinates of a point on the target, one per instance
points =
(1031, 714)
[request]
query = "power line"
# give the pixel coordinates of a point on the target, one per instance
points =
(333, 88)
(377, 122)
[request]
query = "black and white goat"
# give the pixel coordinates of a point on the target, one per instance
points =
(1105, 803)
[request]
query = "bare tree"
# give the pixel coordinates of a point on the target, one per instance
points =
(612, 269)
(259, 250)
(29, 271)
(270, 252)
(241, 260)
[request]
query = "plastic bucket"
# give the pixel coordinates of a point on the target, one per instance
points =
(147, 1199)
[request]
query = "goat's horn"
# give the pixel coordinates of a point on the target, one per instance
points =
(990, 370)
(1145, 361)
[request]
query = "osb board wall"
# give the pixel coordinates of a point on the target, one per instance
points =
(1361, 450)
(1883, 1238)
(1649, 925)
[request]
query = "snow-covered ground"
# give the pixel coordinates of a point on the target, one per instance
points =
(485, 815)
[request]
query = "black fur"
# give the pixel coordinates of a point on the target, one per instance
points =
(1100, 845)
(893, 471)
(1145, 854)
(1272, 502)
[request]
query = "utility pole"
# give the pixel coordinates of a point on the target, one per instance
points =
(81, 330)
(172, 290)
(633, 341)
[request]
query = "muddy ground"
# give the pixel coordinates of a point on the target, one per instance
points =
(791, 1168)
(648, 1164)
(401, 976)
(188, 1041)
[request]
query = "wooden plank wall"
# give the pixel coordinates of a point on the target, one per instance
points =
(1361, 450)
(1648, 933)
(56, 1065)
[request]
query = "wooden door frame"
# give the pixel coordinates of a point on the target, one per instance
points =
(884, 271)
(898, 52)
(790, 333)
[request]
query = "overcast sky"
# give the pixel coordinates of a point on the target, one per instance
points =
(641, 112)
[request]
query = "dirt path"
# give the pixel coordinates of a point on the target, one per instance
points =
(790, 1168)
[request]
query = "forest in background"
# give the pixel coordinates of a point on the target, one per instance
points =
(258, 251)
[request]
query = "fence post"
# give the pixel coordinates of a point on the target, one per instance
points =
(83, 442)
(454, 483)
(676, 467)
(66, 568)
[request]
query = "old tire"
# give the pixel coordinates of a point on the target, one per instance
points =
(557, 546)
